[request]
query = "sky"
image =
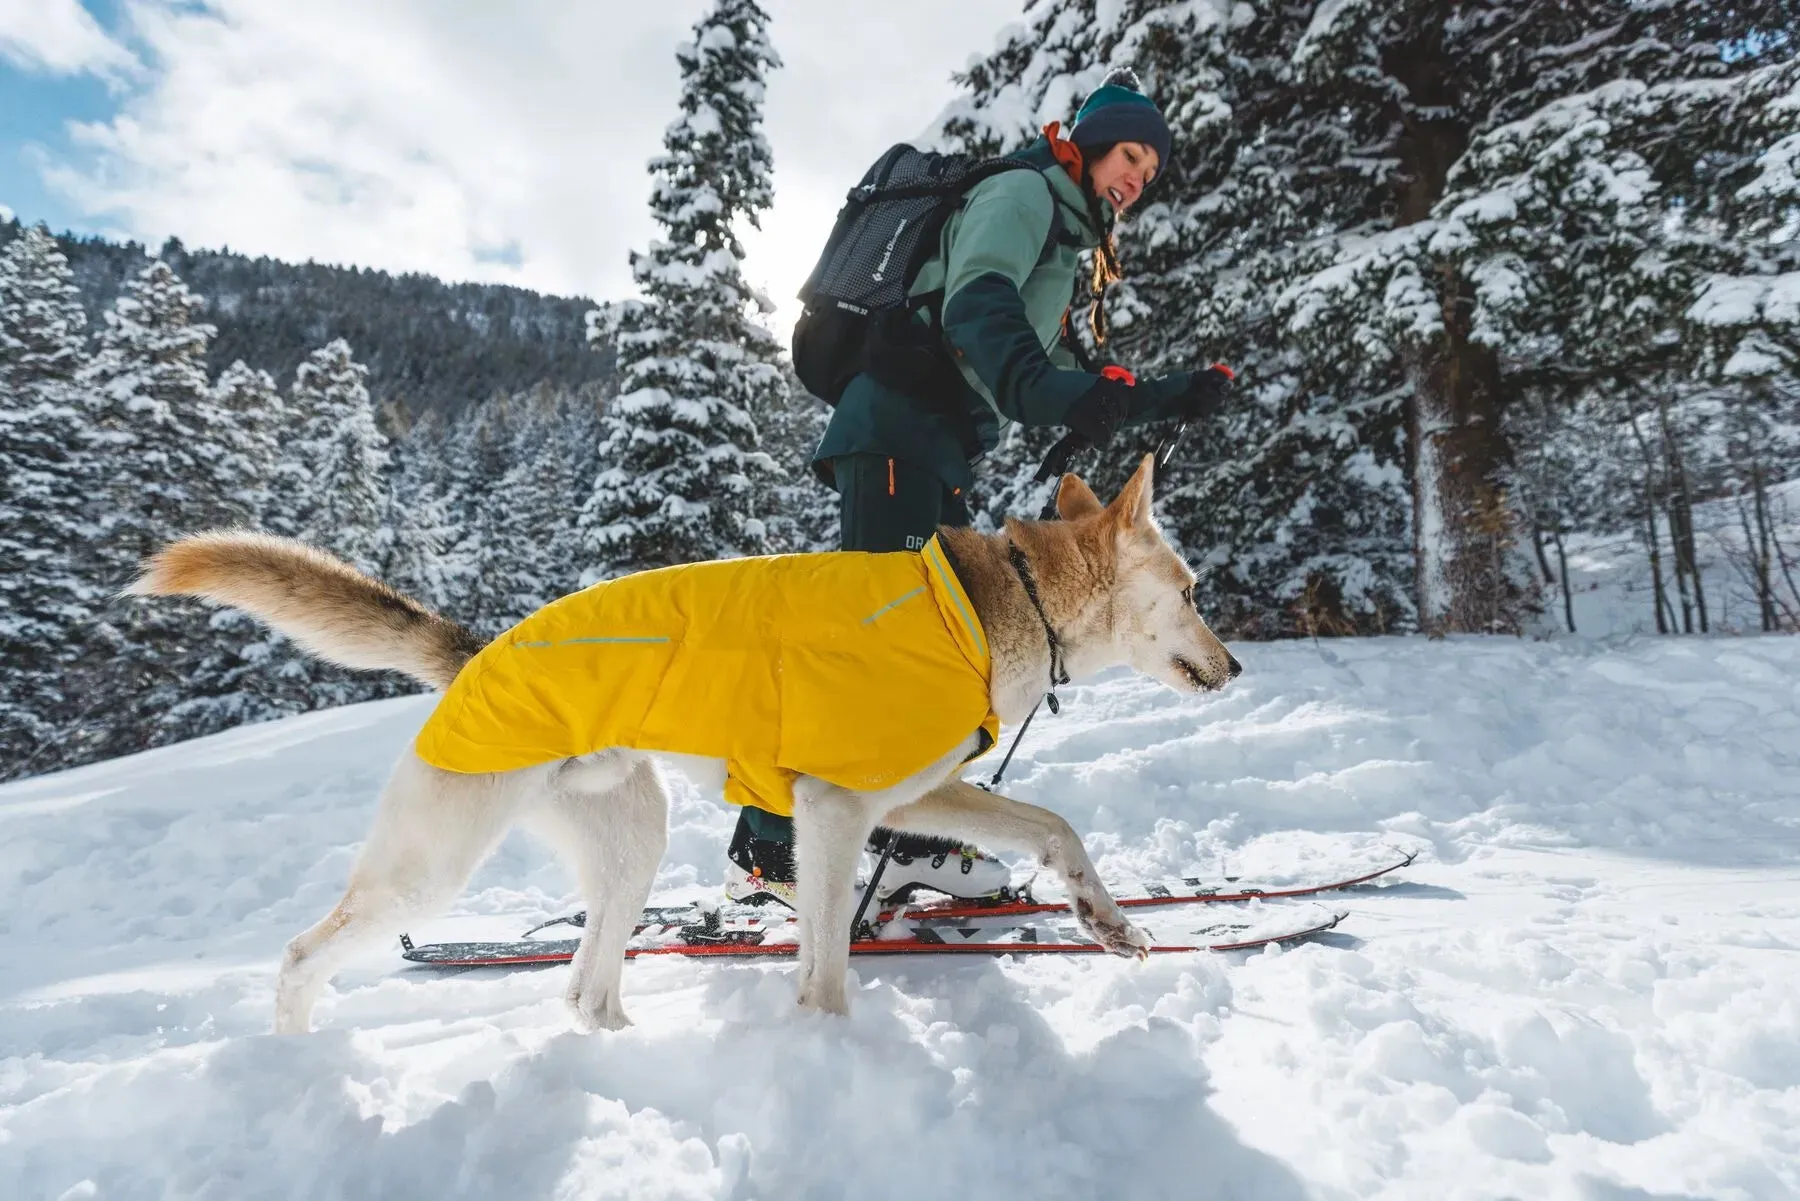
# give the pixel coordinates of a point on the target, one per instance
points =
(467, 139)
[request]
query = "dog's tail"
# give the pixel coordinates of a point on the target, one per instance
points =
(322, 603)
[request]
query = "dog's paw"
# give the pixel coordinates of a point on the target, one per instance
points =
(825, 1000)
(608, 1014)
(1116, 933)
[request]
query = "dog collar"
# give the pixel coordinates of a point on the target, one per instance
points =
(1059, 674)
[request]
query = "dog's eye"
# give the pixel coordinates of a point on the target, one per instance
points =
(1187, 596)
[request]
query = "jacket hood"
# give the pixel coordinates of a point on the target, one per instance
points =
(1080, 215)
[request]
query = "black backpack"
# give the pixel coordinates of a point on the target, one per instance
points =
(858, 316)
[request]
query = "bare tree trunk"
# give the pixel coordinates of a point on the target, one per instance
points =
(1537, 545)
(1658, 596)
(1680, 564)
(1659, 591)
(1681, 525)
(1756, 542)
(1464, 528)
(1693, 556)
(1770, 551)
(1787, 573)
(1562, 562)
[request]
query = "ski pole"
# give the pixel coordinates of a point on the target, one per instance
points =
(1055, 465)
(862, 907)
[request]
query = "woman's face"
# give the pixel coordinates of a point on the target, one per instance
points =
(1124, 173)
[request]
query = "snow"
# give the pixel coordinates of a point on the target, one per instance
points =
(1327, 23)
(1753, 358)
(1727, 300)
(1584, 988)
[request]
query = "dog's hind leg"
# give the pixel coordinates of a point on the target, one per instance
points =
(959, 809)
(609, 819)
(430, 832)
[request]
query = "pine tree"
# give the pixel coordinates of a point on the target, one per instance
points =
(156, 434)
(483, 442)
(345, 456)
(681, 464)
(802, 510)
(42, 599)
(1399, 218)
(229, 681)
(329, 489)
(535, 522)
(255, 418)
(419, 529)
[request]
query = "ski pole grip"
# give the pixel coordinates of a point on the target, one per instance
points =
(1057, 461)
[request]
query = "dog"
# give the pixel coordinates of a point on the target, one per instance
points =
(1051, 600)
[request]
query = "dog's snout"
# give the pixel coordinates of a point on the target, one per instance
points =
(1235, 668)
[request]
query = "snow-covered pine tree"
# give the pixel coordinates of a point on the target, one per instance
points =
(1292, 497)
(1399, 216)
(256, 418)
(680, 459)
(330, 490)
(535, 521)
(230, 680)
(419, 529)
(1623, 239)
(483, 442)
(802, 513)
(155, 434)
(42, 493)
(344, 453)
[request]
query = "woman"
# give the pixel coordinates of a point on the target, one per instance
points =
(902, 460)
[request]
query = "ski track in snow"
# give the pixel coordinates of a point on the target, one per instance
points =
(1587, 987)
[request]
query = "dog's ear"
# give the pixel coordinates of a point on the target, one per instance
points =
(1131, 507)
(1075, 500)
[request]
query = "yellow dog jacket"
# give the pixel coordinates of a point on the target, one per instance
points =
(860, 669)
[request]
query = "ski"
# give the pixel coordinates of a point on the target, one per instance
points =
(764, 937)
(1184, 890)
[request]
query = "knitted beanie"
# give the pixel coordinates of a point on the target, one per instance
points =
(1118, 111)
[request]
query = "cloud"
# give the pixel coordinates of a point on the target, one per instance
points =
(481, 141)
(59, 37)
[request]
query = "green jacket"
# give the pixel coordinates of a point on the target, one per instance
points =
(1004, 300)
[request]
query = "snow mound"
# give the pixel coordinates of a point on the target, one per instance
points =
(1584, 988)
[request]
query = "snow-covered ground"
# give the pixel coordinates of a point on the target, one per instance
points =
(1587, 987)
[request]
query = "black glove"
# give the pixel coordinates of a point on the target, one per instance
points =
(1204, 392)
(1098, 413)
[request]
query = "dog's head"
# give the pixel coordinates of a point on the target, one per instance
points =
(1151, 616)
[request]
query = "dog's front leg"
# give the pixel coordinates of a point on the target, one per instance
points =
(830, 827)
(959, 809)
